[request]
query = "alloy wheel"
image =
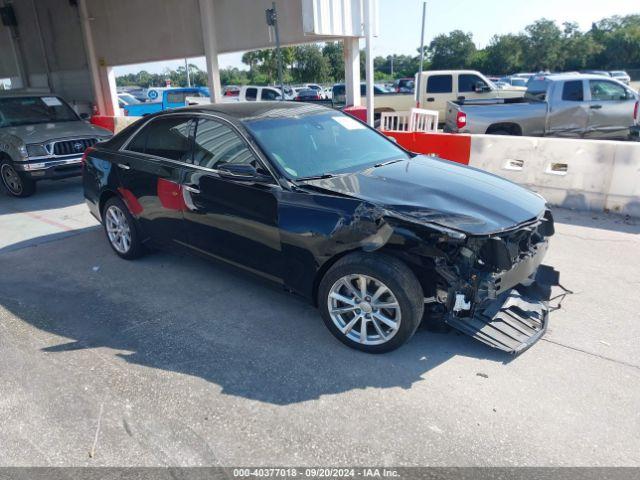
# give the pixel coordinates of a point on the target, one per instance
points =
(364, 309)
(118, 229)
(11, 179)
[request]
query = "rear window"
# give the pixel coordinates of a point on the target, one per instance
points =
(573, 91)
(537, 89)
(164, 137)
(251, 94)
(440, 84)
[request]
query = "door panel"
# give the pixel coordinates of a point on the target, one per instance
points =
(568, 111)
(150, 173)
(230, 219)
(610, 111)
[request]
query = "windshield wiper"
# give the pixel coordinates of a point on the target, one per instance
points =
(389, 162)
(316, 177)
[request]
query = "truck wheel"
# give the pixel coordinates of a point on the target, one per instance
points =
(16, 184)
(371, 302)
(120, 227)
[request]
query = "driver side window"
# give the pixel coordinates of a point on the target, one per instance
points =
(216, 144)
(469, 83)
(606, 91)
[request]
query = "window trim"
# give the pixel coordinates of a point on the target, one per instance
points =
(194, 116)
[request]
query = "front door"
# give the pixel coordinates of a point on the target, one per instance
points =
(230, 219)
(150, 170)
(610, 110)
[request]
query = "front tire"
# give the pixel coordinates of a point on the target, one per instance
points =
(15, 183)
(120, 228)
(371, 302)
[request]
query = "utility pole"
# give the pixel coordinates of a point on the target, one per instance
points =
(392, 66)
(186, 69)
(272, 21)
(418, 86)
(368, 32)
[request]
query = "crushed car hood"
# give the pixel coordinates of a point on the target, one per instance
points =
(429, 190)
(44, 132)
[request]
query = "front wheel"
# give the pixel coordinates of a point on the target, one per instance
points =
(16, 184)
(371, 302)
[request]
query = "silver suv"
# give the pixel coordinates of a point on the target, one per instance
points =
(41, 137)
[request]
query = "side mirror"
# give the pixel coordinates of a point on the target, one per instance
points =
(84, 116)
(243, 173)
(481, 88)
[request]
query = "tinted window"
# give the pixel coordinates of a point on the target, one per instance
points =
(268, 94)
(440, 84)
(467, 83)
(573, 91)
(164, 137)
(601, 90)
(252, 94)
(217, 143)
(178, 97)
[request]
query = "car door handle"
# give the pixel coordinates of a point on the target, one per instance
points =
(431, 99)
(595, 107)
(124, 166)
(191, 189)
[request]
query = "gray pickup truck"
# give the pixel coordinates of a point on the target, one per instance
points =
(41, 137)
(578, 106)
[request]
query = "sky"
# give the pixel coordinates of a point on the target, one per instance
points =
(399, 23)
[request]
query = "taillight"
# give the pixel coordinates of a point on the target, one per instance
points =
(84, 156)
(461, 120)
(635, 112)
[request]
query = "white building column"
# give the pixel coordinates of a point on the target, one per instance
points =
(109, 91)
(352, 71)
(92, 59)
(210, 48)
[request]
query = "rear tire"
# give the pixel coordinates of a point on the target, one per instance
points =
(120, 229)
(15, 183)
(390, 319)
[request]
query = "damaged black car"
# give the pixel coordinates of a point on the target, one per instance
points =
(376, 237)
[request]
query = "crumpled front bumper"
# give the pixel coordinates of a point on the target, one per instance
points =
(516, 319)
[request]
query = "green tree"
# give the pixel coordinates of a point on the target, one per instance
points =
(454, 50)
(334, 54)
(544, 49)
(309, 64)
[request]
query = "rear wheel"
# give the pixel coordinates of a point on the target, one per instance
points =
(119, 225)
(16, 184)
(371, 302)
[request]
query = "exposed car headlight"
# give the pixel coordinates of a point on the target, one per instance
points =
(36, 150)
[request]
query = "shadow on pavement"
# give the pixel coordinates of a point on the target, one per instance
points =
(50, 195)
(187, 315)
(597, 220)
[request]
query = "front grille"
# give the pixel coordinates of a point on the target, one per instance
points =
(73, 147)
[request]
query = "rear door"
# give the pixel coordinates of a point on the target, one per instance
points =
(234, 220)
(150, 169)
(611, 109)
(568, 112)
(438, 91)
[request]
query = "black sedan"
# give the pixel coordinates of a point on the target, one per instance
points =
(311, 198)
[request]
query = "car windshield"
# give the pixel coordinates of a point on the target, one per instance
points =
(17, 111)
(319, 144)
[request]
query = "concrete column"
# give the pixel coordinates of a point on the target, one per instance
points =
(210, 48)
(368, 29)
(92, 59)
(352, 71)
(109, 91)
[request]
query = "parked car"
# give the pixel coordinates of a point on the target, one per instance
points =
(600, 73)
(169, 98)
(583, 106)
(404, 85)
(254, 93)
(41, 138)
(307, 95)
(514, 82)
(127, 99)
(331, 209)
(621, 76)
(437, 88)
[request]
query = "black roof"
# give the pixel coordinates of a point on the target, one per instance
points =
(244, 111)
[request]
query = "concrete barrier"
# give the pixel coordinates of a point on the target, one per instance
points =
(579, 174)
(592, 175)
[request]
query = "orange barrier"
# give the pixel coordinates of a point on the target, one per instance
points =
(358, 112)
(456, 148)
(104, 122)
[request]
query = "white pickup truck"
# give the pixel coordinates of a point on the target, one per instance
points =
(437, 87)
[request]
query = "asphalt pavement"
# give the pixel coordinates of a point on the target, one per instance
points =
(171, 360)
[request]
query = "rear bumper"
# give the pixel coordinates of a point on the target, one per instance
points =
(40, 169)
